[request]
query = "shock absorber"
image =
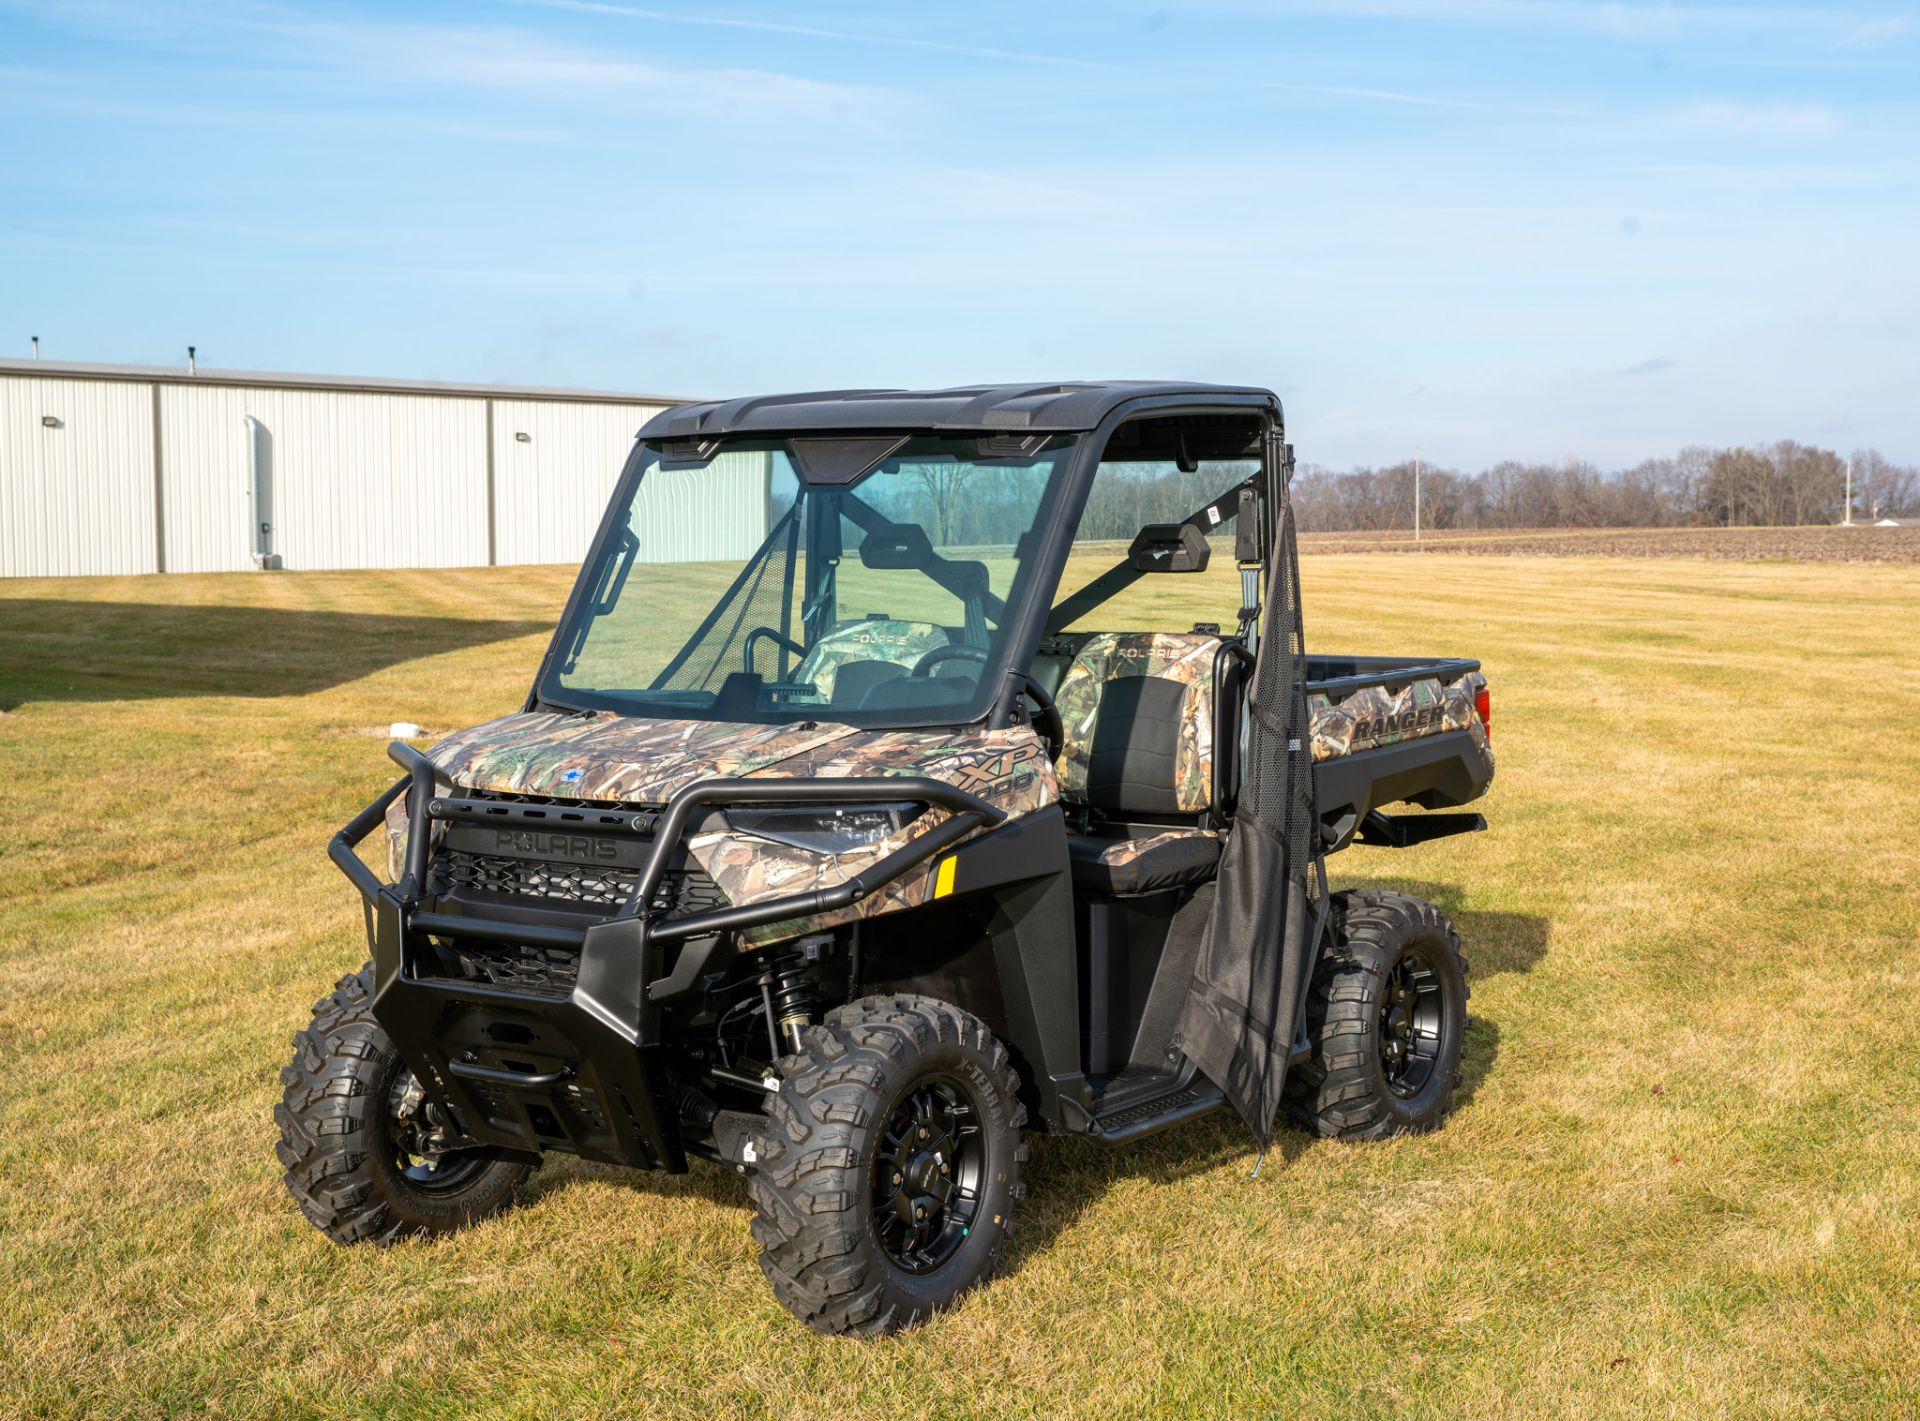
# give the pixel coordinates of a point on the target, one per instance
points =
(790, 1001)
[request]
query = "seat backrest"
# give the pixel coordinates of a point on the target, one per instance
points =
(866, 653)
(1137, 709)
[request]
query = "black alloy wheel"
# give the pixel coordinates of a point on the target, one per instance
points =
(926, 1175)
(1411, 1021)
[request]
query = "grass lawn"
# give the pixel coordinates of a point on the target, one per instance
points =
(1683, 1179)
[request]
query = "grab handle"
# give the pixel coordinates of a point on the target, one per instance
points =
(500, 1077)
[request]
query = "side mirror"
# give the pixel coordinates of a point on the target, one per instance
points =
(1169, 547)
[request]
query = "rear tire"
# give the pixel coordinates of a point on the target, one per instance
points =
(891, 1165)
(349, 1109)
(1386, 1017)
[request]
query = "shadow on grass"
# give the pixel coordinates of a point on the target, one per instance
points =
(1068, 1175)
(116, 651)
(1494, 943)
(717, 1184)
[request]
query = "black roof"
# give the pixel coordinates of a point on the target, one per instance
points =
(1061, 407)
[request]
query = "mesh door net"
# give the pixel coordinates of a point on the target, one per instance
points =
(1238, 1022)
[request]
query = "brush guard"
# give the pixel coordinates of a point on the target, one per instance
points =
(583, 1073)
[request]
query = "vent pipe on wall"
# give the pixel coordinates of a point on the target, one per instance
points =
(260, 494)
(191, 367)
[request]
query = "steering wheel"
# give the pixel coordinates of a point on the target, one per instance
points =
(955, 652)
(1046, 721)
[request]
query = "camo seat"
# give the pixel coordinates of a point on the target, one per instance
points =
(854, 657)
(1137, 712)
(1122, 868)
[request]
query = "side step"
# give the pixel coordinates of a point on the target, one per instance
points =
(1184, 1100)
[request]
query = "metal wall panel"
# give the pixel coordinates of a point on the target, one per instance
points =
(714, 514)
(359, 479)
(551, 486)
(356, 477)
(76, 497)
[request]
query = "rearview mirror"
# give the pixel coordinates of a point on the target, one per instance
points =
(896, 548)
(1169, 547)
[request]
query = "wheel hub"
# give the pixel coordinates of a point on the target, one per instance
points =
(1410, 1023)
(421, 1139)
(925, 1176)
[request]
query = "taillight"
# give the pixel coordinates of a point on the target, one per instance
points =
(1483, 707)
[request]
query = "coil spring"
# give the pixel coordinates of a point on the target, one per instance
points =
(792, 1001)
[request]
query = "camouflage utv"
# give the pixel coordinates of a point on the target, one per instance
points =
(900, 780)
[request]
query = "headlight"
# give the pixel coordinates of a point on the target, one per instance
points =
(826, 828)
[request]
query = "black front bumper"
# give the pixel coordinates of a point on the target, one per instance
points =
(575, 1072)
(579, 1065)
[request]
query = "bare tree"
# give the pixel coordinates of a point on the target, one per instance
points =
(1783, 483)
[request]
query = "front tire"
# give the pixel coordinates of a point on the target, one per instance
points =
(360, 1144)
(891, 1166)
(1386, 1017)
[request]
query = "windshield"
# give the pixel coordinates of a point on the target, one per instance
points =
(735, 590)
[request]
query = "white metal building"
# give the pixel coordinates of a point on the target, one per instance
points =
(131, 469)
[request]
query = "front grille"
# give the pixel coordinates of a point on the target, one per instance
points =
(679, 892)
(586, 884)
(462, 872)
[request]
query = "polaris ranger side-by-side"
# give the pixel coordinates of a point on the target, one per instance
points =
(868, 810)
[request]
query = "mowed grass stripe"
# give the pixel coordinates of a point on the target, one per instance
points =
(1680, 1181)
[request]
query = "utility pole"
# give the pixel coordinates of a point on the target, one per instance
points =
(1847, 522)
(1416, 493)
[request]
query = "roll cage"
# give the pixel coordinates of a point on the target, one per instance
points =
(1190, 423)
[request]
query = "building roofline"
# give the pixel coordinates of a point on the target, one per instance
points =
(350, 384)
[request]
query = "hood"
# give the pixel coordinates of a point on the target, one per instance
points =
(607, 757)
(610, 757)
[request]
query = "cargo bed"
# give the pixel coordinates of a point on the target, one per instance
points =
(1395, 729)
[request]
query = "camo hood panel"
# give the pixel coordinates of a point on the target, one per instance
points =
(1007, 768)
(617, 758)
(1185, 657)
(1374, 716)
(609, 758)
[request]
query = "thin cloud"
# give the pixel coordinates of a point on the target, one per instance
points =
(1655, 366)
(1709, 118)
(488, 62)
(481, 57)
(1625, 21)
(1874, 32)
(1723, 118)
(667, 17)
(1395, 96)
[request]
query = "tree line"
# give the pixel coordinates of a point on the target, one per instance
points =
(1766, 485)
(1786, 483)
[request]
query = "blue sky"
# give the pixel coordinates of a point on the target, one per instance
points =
(1491, 228)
